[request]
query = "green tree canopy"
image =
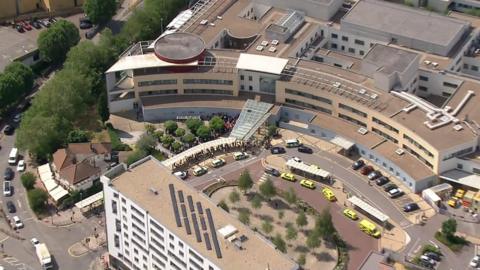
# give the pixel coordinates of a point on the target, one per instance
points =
(267, 227)
(100, 11)
(301, 219)
(291, 196)
(222, 204)
(24, 74)
(78, 136)
(279, 243)
(245, 181)
(267, 189)
(28, 180)
(37, 198)
(256, 201)
(217, 123)
(167, 140)
(449, 227)
(170, 126)
(188, 138)
(54, 42)
(179, 132)
(204, 132)
(176, 146)
(146, 143)
(135, 156)
(272, 130)
(244, 217)
(9, 92)
(302, 259)
(193, 124)
(234, 196)
(324, 225)
(102, 107)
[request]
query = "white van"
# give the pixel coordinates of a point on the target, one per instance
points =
(12, 158)
(293, 143)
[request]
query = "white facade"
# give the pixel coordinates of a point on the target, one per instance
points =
(137, 241)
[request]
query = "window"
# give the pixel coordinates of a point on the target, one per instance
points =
(208, 91)
(410, 140)
(343, 48)
(156, 82)
(351, 109)
(118, 225)
(446, 94)
(242, 77)
(344, 38)
(250, 88)
(114, 207)
(36, 56)
(250, 78)
(334, 45)
(465, 66)
(361, 52)
(451, 85)
(207, 81)
(359, 42)
(422, 88)
(307, 105)
(242, 87)
(459, 166)
(310, 96)
(423, 78)
(474, 68)
(385, 125)
(351, 50)
(116, 240)
(352, 120)
(159, 92)
(334, 35)
(385, 135)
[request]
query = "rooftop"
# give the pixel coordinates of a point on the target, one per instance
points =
(389, 59)
(179, 46)
(137, 184)
(405, 21)
(15, 45)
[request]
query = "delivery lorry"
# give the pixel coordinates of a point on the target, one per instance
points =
(44, 256)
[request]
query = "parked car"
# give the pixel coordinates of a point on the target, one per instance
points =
(453, 202)
(85, 24)
(433, 256)
(17, 118)
(17, 222)
(304, 149)
(27, 26)
(277, 150)
(297, 159)
(197, 171)
(92, 32)
(366, 170)
(382, 180)
(8, 174)
(307, 183)
(8, 130)
(427, 259)
(36, 24)
(7, 188)
(389, 187)
(11, 207)
(181, 174)
(395, 193)
(19, 28)
(52, 20)
(272, 171)
(328, 194)
(374, 175)
(358, 164)
(410, 207)
(288, 177)
(350, 214)
(475, 262)
(34, 241)
(219, 162)
(45, 22)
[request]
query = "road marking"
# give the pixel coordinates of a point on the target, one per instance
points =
(27, 219)
(19, 203)
(4, 239)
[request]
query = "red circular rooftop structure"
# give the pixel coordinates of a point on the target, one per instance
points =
(180, 48)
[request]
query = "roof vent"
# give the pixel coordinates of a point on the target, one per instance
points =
(154, 191)
(259, 48)
(337, 84)
(362, 91)
(458, 127)
(275, 42)
(435, 64)
(374, 96)
(400, 151)
(362, 130)
(264, 43)
(272, 49)
(426, 62)
(204, 22)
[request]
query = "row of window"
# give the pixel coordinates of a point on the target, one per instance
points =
(308, 105)
(207, 81)
(309, 96)
(458, 153)
(385, 125)
(157, 82)
(159, 92)
(350, 50)
(384, 135)
(345, 38)
(472, 67)
(351, 120)
(351, 109)
(419, 146)
(411, 151)
(209, 91)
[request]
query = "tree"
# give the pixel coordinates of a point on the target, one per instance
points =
(244, 217)
(302, 259)
(222, 204)
(167, 140)
(135, 156)
(9, 94)
(245, 181)
(176, 146)
(150, 129)
(54, 42)
(78, 136)
(158, 135)
(100, 11)
(146, 143)
(217, 124)
(449, 227)
(313, 239)
(234, 196)
(324, 225)
(267, 227)
(193, 124)
(267, 189)
(37, 198)
(23, 73)
(272, 130)
(102, 107)
(188, 138)
(204, 132)
(291, 233)
(279, 243)
(256, 202)
(179, 132)
(291, 196)
(170, 126)
(28, 180)
(302, 219)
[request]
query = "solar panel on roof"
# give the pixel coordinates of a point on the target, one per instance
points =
(199, 208)
(174, 205)
(214, 233)
(204, 224)
(180, 196)
(207, 241)
(190, 203)
(195, 228)
(185, 219)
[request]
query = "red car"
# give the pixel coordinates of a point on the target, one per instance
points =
(366, 170)
(26, 25)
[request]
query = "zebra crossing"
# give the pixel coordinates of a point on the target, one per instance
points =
(263, 178)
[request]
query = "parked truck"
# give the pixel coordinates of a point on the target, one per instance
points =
(44, 256)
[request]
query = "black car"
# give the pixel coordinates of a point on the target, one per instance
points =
(85, 24)
(374, 175)
(92, 32)
(389, 187)
(11, 207)
(304, 149)
(8, 174)
(433, 256)
(410, 207)
(277, 150)
(272, 171)
(8, 130)
(358, 164)
(382, 181)
(36, 24)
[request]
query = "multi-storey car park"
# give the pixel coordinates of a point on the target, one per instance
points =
(400, 88)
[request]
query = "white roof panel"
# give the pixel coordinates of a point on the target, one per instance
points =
(342, 142)
(44, 169)
(368, 208)
(50, 185)
(143, 61)
(307, 168)
(90, 200)
(463, 178)
(58, 193)
(261, 63)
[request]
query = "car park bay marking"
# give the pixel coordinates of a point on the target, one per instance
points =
(19, 203)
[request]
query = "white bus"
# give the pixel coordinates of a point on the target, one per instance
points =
(293, 143)
(12, 158)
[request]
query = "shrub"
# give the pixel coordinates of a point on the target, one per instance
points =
(179, 132)
(28, 180)
(188, 138)
(222, 204)
(170, 126)
(135, 156)
(37, 199)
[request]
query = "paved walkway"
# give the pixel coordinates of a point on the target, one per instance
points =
(64, 218)
(88, 244)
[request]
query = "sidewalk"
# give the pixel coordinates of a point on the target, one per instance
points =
(64, 218)
(89, 243)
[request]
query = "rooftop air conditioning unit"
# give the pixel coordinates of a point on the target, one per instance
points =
(264, 43)
(272, 49)
(426, 62)
(204, 22)
(362, 91)
(374, 96)
(399, 151)
(435, 64)
(259, 48)
(458, 127)
(275, 42)
(362, 130)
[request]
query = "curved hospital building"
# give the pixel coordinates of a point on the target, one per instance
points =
(398, 85)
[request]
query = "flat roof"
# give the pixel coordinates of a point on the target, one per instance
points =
(379, 215)
(463, 178)
(148, 60)
(405, 21)
(15, 45)
(179, 46)
(137, 183)
(261, 63)
(390, 59)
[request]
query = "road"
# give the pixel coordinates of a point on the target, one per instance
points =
(58, 240)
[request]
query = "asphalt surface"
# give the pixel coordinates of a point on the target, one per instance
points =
(58, 240)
